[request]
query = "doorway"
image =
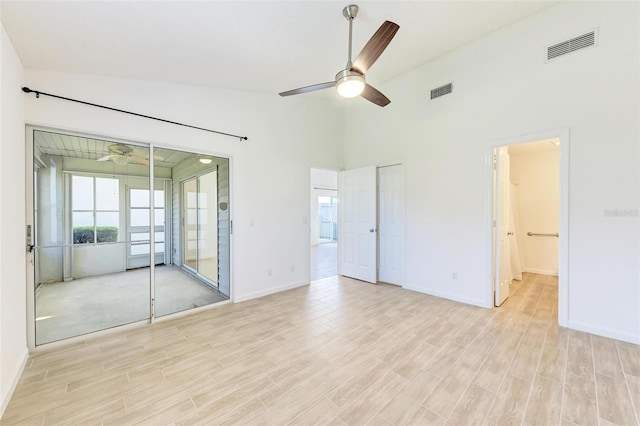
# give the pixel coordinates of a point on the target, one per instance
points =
(529, 187)
(323, 223)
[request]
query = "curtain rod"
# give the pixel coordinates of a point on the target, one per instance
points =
(38, 93)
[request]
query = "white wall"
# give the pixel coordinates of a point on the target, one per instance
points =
(537, 175)
(323, 183)
(13, 336)
(503, 89)
(269, 172)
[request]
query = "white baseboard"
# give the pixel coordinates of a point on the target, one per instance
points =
(14, 382)
(541, 271)
(269, 291)
(603, 331)
(445, 295)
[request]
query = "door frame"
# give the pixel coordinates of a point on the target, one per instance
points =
(563, 134)
(30, 220)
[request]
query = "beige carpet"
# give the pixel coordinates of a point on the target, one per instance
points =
(68, 309)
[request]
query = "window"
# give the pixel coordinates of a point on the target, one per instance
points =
(96, 214)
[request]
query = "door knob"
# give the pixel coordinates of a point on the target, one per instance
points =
(372, 230)
(509, 233)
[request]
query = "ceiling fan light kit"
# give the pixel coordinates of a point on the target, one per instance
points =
(350, 82)
(120, 160)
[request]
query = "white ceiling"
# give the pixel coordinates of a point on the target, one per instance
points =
(266, 46)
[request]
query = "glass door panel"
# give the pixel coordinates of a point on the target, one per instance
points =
(190, 277)
(201, 225)
(190, 215)
(208, 226)
(81, 279)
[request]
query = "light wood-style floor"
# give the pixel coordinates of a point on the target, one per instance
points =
(324, 260)
(342, 352)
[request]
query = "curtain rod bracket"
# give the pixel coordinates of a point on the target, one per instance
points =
(38, 93)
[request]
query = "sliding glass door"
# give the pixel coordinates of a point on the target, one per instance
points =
(201, 225)
(81, 284)
(111, 246)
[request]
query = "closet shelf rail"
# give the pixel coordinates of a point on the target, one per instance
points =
(534, 234)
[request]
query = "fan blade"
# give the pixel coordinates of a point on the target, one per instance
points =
(139, 158)
(309, 88)
(372, 94)
(105, 158)
(375, 46)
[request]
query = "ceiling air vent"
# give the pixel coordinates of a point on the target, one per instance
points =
(571, 45)
(442, 90)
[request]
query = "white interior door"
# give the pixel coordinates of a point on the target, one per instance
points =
(502, 277)
(357, 241)
(391, 224)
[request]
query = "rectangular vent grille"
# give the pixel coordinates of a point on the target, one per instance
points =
(442, 90)
(568, 46)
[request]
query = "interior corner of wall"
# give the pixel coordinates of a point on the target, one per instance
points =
(6, 390)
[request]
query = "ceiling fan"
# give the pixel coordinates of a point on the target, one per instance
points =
(350, 81)
(121, 154)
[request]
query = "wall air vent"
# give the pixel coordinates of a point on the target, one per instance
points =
(442, 90)
(571, 45)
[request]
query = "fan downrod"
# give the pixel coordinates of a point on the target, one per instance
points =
(350, 12)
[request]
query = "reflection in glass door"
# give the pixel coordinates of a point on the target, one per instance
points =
(201, 225)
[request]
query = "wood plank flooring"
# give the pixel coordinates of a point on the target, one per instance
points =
(342, 352)
(324, 260)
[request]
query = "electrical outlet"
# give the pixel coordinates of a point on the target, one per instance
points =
(269, 273)
(454, 276)
(292, 269)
